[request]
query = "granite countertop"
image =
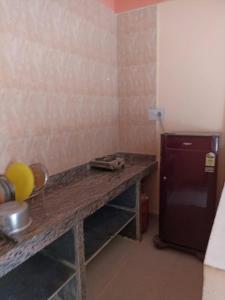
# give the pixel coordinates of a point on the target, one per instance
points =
(74, 194)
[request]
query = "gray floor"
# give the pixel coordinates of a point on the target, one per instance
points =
(130, 270)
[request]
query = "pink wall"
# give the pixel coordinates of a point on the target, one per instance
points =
(58, 82)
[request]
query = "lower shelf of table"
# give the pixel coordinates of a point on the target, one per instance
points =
(68, 292)
(101, 227)
(40, 277)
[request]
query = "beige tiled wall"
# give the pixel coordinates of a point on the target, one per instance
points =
(137, 79)
(61, 73)
(58, 82)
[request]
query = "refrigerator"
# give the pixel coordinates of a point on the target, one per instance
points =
(188, 188)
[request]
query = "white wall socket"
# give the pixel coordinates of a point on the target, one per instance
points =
(155, 114)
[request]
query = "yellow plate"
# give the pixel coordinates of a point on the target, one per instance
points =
(21, 176)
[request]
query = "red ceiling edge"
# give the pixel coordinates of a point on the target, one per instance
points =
(126, 5)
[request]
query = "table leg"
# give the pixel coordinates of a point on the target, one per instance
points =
(80, 260)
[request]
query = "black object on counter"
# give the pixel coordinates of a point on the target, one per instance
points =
(109, 162)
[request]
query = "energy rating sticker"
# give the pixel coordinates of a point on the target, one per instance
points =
(210, 159)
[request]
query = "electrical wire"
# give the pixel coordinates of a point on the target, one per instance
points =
(161, 122)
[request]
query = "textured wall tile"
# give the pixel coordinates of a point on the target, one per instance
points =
(58, 82)
(62, 66)
(133, 110)
(138, 138)
(137, 20)
(137, 79)
(137, 48)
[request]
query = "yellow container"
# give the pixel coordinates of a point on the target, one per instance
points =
(21, 176)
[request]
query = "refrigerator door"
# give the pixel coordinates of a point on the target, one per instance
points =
(188, 189)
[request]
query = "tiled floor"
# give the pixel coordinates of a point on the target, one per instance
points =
(129, 270)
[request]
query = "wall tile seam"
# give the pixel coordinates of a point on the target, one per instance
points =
(12, 29)
(76, 97)
(55, 132)
(60, 50)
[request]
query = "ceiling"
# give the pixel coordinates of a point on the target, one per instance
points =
(125, 5)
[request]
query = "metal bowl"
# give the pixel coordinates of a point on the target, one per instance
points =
(7, 191)
(14, 217)
(40, 177)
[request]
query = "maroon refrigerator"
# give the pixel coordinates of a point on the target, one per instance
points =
(188, 184)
